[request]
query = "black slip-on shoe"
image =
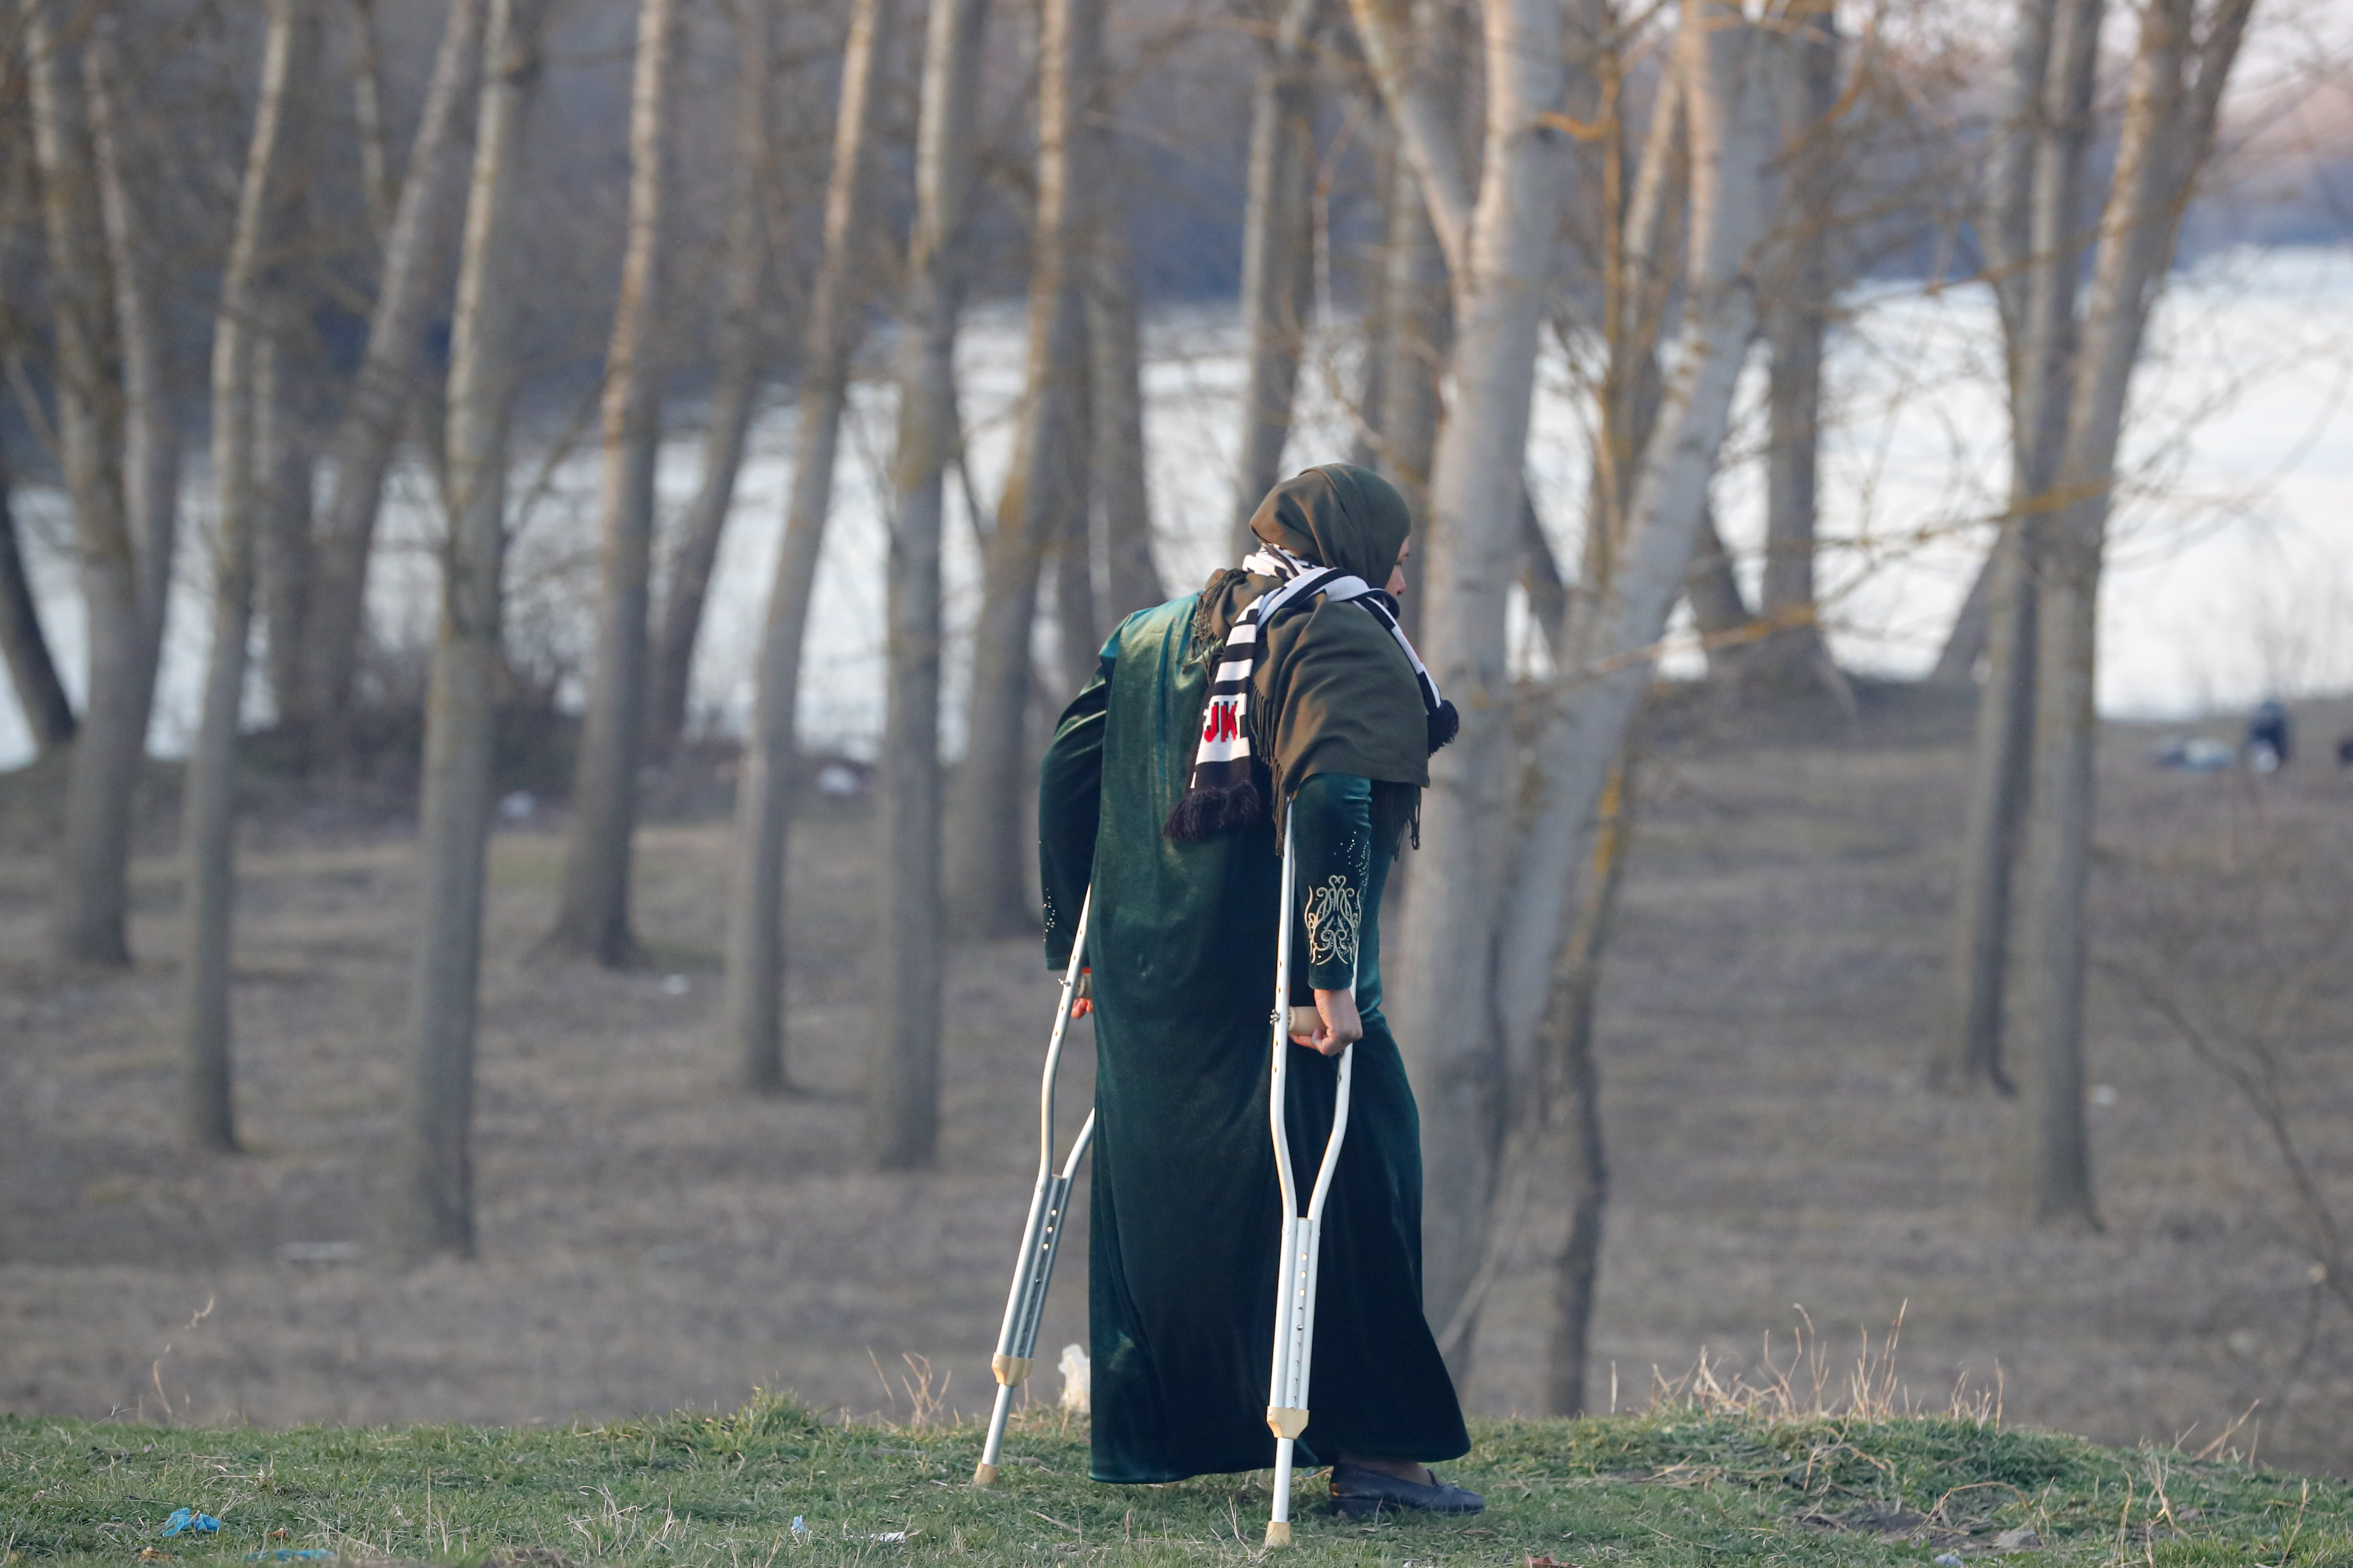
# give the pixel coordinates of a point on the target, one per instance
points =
(1357, 1492)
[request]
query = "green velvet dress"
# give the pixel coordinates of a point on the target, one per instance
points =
(1185, 1211)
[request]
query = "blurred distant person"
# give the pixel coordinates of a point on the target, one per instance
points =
(2270, 736)
(1283, 694)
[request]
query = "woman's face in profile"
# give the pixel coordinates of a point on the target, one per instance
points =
(1395, 584)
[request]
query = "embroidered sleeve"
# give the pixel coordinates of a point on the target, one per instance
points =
(1334, 823)
(1334, 912)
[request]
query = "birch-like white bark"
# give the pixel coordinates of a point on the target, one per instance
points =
(1727, 66)
(592, 914)
(432, 1194)
(756, 919)
(208, 795)
(1473, 541)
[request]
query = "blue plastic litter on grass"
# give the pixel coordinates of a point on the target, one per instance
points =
(292, 1555)
(800, 1526)
(189, 1520)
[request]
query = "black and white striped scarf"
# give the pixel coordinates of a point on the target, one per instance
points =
(1221, 791)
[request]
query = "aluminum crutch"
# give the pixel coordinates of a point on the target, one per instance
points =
(1294, 1298)
(1033, 1266)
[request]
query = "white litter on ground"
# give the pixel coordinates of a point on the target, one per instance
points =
(1078, 1381)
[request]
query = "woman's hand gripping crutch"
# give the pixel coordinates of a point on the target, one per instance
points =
(1033, 1269)
(1295, 1299)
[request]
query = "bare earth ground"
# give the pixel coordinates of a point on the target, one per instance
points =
(653, 1237)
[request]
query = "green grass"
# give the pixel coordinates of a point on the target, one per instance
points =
(1677, 1487)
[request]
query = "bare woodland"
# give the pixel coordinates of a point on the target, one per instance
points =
(417, 276)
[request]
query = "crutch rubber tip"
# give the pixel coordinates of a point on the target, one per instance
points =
(1278, 1532)
(983, 1474)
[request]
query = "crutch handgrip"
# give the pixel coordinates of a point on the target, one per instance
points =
(1011, 1370)
(1286, 1421)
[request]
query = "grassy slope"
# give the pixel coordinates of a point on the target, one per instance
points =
(1674, 1489)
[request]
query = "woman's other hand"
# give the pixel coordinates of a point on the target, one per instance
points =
(1337, 1025)
(1082, 996)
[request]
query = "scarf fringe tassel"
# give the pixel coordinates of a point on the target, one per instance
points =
(1445, 723)
(1206, 810)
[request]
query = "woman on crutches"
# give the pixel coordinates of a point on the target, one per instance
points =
(1282, 696)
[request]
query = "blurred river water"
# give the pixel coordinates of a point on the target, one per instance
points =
(2231, 573)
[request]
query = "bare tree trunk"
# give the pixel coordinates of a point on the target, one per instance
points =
(376, 181)
(592, 915)
(1372, 322)
(1967, 640)
(1078, 622)
(150, 422)
(389, 376)
(2033, 243)
(2177, 85)
(1115, 379)
(285, 456)
(1278, 253)
(1967, 1052)
(2005, 235)
(1424, 114)
(208, 798)
(1565, 1043)
(434, 1202)
(1638, 277)
(39, 693)
(1726, 67)
(1797, 319)
(1077, 631)
(1541, 580)
(1500, 270)
(1418, 336)
(1719, 608)
(764, 800)
(742, 360)
(986, 879)
(902, 1084)
(92, 893)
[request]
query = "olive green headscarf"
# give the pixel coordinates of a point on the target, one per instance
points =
(1333, 693)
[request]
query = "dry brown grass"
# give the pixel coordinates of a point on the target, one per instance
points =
(653, 1238)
